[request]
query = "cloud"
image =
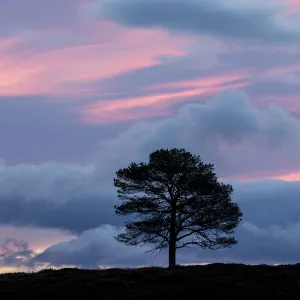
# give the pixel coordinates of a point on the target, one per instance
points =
(93, 248)
(38, 239)
(54, 195)
(269, 233)
(235, 20)
(165, 75)
(33, 66)
(15, 253)
(158, 103)
(155, 91)
(229, 131)
(273, 245)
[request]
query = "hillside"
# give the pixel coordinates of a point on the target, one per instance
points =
(159, 283)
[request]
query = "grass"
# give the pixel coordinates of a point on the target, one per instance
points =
(186, 282)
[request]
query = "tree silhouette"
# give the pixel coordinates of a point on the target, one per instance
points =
(176, 201)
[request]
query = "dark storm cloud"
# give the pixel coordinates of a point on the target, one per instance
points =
(75, 215)
(269, 233)
(54, 195)
(220, 18)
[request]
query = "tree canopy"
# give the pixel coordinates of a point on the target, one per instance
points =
(175, 201)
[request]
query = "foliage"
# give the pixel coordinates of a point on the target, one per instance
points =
(176, 201)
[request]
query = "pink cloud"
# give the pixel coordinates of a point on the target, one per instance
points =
(158, 103)
(295, 3)
(293, 8)
(14, 240)
(282, 69)
(266, 175)
(203, 82)
(288, 103)
(107, 111)
(288, 177)
(38, 239)
(58, 71)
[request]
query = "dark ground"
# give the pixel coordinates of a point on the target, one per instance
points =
(159, 283)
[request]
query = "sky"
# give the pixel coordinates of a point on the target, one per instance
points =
(88, 86)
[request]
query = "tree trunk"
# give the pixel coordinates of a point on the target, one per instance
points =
(172, 256)
(172, 242)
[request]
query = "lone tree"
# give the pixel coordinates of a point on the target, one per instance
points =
(176, 201)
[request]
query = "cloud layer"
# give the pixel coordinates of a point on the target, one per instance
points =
(241, 140)
(88, 86)
(237, 20)
(269, 233)
(14, 253)
(228, 131)
(54, 195)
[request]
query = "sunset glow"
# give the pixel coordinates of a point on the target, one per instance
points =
(89, 86)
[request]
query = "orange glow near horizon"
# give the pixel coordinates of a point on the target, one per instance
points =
(38, 239)
(288, 177)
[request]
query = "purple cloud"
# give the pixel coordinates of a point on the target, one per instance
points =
(228, 131)
(145, 86)
(15, 253)
(269, 234)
